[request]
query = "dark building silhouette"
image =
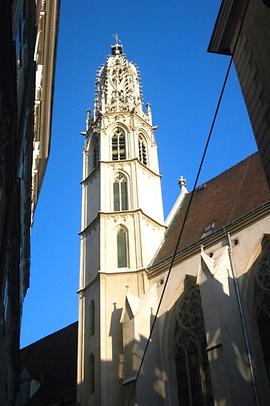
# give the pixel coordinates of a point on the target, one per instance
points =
(49, 370)
(28, 32)
(252, 61)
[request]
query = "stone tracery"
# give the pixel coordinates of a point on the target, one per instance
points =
(261, 274)
(118, 86)
(192, 367)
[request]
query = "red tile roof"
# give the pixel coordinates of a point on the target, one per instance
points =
(218, 202)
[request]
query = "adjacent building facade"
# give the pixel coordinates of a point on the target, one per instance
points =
(28, 32)
(251, 58)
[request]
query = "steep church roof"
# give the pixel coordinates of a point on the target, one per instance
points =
(217, 203)
(52, 363)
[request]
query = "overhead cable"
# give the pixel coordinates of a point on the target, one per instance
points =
(189, 204)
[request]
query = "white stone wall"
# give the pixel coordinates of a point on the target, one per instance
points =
(118, 104)
(221, 314)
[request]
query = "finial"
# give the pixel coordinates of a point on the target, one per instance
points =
(117, 48)
(117, 39)
(149, 112)
(88, 119)
(182, 182)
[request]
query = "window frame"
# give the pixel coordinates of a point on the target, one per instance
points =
(94, 151)
(122, 262)
(118, 145)
(143, 150)
(120, 192)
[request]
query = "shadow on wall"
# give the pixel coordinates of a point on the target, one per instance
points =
(198, 353)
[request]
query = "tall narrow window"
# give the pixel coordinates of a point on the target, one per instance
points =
(95, 152)
(142, 150)
(122, 251)
(92, 317)
(118, 145)
(262, 304)
(192, 366)
(120, 195)
(91, 374)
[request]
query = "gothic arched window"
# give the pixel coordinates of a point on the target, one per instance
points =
(122, 248)
(142, 150)
(118, 145)
(91, 374)
(191, 361)
(92, 317)
(262, 304)
(94, 151)
(120, 193)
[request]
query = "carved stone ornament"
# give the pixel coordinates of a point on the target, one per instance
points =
(262, 284)
(189, 316)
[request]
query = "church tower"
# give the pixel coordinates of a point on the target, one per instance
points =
(122, 224)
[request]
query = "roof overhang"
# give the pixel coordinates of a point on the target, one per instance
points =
(226, 27)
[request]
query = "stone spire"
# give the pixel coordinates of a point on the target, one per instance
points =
(118, 84)
(121, 227)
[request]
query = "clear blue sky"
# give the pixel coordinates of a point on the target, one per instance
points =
(168, 40)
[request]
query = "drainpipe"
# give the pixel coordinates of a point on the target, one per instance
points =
(243, 323)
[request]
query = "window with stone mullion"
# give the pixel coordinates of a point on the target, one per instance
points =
(116, 196)
(123, 192)
(122, 147)
(191, 360)
(118, 145)
(115, 148)
(262, 305)
(95, 152)
(142, 151)
(120, 195)
(122, 249)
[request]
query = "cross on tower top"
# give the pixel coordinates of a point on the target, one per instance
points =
(117, 48)
(117, 39)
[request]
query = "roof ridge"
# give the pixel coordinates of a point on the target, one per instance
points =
(49, 335)
(226, 170)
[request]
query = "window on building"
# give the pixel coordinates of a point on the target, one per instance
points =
(191, 361)
(118, 145)
(120, 194)
(92, 317)
(122, 251)
(91, 374)
(95, 152)
(262, 305)
(142, 150)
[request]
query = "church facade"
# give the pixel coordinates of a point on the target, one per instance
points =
(211, 337)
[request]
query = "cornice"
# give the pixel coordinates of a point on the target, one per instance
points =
(120, 213)
(223, 36)
(130, 161)
(91, 174)
(45, 54)
(120, 162)
(109, 274)
(125, 114)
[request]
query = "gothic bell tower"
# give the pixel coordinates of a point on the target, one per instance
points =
(122, 223)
